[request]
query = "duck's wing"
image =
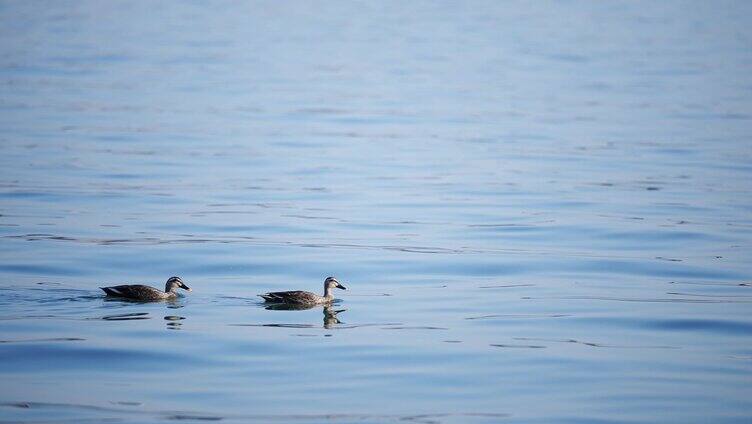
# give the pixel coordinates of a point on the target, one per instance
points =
(133, 291)
(297, 296)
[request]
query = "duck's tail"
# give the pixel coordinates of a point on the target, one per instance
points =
(111, 291)
(270, 297)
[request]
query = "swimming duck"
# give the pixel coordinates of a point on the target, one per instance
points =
(299, 297)
(147, 293)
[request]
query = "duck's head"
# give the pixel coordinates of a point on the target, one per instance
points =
(175, 283)
(332, 282)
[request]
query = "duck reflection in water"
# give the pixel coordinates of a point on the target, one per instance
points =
(173, 322)
(330, 317)
(330, 314)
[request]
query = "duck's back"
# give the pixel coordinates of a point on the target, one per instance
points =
(135, 291)
(296, 296)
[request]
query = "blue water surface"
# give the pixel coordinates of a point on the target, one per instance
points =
(542, 211)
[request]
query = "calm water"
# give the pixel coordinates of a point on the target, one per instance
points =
(543, 211)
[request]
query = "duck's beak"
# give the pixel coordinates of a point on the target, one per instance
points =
(340, 286)
(184, 287)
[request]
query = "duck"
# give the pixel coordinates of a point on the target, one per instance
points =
(147, 293)
(299, 297)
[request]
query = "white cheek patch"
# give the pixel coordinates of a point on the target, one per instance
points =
(116, 291)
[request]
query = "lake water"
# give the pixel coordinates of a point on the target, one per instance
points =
(542, 211)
